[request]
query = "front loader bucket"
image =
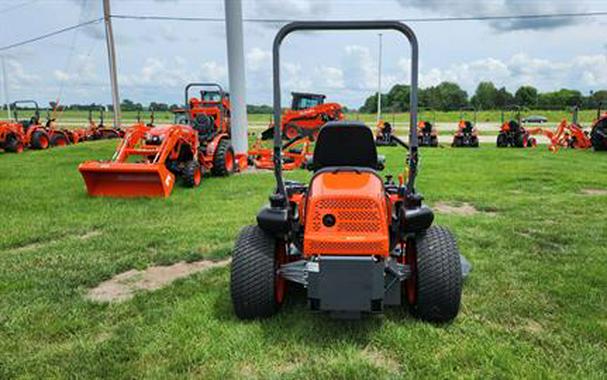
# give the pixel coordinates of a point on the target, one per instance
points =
(126, 180)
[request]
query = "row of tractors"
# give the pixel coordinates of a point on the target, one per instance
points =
(30, 133)
(150, 159)
(512, 133)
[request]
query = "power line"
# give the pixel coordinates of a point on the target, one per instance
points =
(413, 20)
(51, 34)
(284, 20)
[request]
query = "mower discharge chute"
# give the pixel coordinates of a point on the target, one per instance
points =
(355, 241)
(466, 135)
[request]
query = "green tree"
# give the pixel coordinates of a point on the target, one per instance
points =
(485, 96)
(526, 96)
(503, 98)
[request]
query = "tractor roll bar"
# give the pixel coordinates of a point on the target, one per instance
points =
(187, 89)
(344, 25)
(35, 103)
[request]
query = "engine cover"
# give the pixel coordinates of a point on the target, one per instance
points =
(346, 214)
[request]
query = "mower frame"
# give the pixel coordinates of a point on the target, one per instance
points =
(281, 196)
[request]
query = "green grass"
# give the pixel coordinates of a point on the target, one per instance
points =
(535, 305)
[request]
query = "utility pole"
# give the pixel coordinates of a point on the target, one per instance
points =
(236, 74)
(111, 56)
(379, 83)
(5, 86)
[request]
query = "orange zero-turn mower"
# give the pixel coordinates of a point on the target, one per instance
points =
(427, 135)
(598, 133)
(17, 135)
(295, 154)
(466, 135)
(384, 134)
(146, 163)
(512, 133)
(356, 242)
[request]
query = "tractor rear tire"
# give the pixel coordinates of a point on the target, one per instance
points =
(223, 162)
(502, 141)
(438, 276)
(39, 140)
(59, 139)
(13, 145)
(192, 176)
(253, 274)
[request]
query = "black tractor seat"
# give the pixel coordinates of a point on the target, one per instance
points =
(345, 143)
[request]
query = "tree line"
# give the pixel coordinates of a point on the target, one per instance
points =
(450, 96)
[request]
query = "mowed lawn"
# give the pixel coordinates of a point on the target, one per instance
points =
(535, 304)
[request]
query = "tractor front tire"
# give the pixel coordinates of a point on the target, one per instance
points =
(253, 274)
(39, 140)
(438, 276)
(192, 176)
(223, 162)
(13, 145)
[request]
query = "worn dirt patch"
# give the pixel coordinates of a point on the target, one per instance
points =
(380, 359)
(123, 287)
(31, 246)
(464, 209)
(594, 191)
(89, 235)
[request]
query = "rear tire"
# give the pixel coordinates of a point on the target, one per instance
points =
(59, 139)
(502, 140)
(39, 140)
(192, 176)
(438, 276)
(598, 136)
(223, 162)
(253, 275)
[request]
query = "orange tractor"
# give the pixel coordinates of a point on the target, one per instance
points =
(513, 134)
(307, 114)
(98, 131)
(62, 136)
(598, 134)
(16, 135)
(150, 158)
(466, 135)
(356, 242)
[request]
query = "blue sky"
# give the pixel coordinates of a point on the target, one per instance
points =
(157, 58)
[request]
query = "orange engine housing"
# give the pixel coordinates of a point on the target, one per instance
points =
(360, 209)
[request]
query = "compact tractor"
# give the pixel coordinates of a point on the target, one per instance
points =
(19, 134)
(427, 134)
(466, 135)
(307, 114)
(295, 154)
(98, 131)
(598, 134)
(513, 134)
(356, 242)
(150, 158)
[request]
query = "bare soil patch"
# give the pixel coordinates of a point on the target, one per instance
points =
(594, 191)
(123, 286)
(465, 209)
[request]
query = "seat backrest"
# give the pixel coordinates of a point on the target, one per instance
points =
(345, 143)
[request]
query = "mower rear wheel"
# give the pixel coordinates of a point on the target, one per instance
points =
(39, 140)
(59, 140)
(502, 140)
(598, 136)
(254, 280)
(223, 162)
(192, 176)
(13, 145)
(438, 276)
